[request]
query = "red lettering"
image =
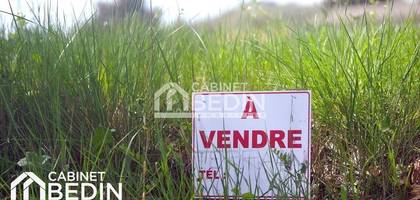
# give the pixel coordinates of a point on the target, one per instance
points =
(215, 175)
(260, 139)
(263, 142)
(291, 138)
(207, 143)
(222, 139)
(237, 137)
(250, 109)
(277, 136)
(209, 174)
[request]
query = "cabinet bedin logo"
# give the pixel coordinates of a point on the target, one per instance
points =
(66, 185)
(32, 178)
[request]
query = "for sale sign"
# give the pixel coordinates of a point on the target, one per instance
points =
(251, 144)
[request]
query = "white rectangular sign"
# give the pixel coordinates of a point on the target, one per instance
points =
(251, 144)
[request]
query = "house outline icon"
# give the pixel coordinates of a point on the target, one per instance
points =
(31, 178)
(171, 90)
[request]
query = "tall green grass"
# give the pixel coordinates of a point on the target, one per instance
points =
(82, 99)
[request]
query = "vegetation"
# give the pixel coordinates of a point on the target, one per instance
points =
(350, 2)
(82, 99)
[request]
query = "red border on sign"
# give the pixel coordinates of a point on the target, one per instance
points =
(254, 92)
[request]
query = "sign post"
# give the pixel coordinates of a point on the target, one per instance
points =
(251, 144)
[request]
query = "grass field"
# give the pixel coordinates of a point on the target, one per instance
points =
(82, 99)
